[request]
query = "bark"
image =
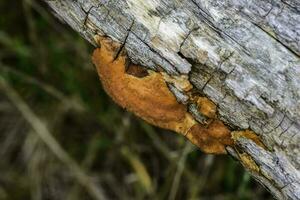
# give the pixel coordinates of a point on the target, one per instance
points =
(244, 55)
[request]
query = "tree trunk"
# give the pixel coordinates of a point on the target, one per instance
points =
(244, 55)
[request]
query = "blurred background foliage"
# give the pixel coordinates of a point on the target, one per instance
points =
(62, 137)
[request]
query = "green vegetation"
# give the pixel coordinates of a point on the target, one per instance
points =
(106, 151)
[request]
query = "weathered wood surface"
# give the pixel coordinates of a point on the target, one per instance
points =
(242, 54)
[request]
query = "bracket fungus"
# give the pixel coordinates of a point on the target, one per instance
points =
(146, 94)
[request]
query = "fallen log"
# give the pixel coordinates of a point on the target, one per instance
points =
(241, 56)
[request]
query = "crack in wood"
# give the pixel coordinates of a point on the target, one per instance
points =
(124, 42)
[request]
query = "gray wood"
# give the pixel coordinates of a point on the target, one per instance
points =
(242, 54)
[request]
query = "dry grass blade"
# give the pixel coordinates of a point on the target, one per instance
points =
(139, 169)
(42, 131)
(180, 168)
(68, 102)
(90, 157)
